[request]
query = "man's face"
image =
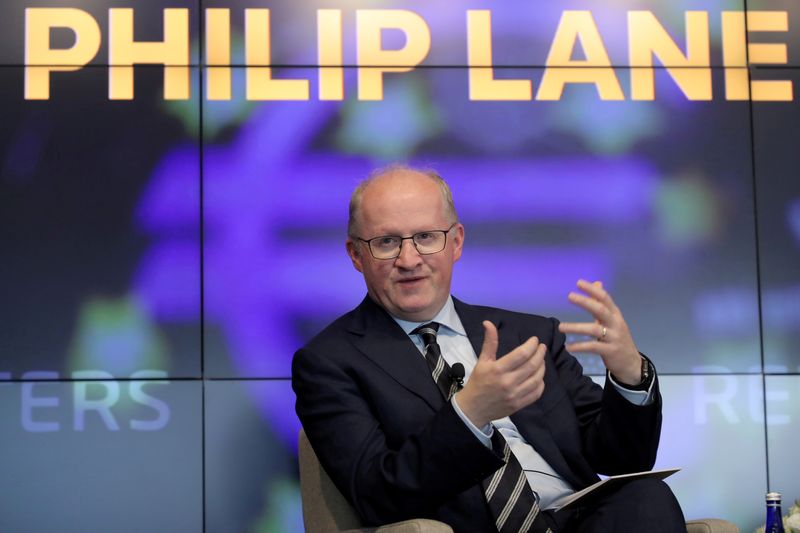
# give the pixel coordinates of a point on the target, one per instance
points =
(411, 286)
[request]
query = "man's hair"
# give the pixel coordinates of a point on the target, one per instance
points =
(358, 193)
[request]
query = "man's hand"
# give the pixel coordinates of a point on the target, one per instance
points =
(612, 339)
(499, 388)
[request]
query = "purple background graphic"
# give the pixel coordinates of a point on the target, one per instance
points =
(204, 241)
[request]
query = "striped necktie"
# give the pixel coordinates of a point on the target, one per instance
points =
(440, 370)
(512, 502)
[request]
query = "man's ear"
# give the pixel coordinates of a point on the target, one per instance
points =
(458, 241)
(355, 254)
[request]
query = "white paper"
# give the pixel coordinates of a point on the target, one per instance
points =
(572, 499)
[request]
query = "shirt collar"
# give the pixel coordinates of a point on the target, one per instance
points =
(446, 316)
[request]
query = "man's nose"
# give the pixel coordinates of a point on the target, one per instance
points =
(409, 256)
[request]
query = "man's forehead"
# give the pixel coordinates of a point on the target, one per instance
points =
(399, 180)
(402, 189)
(403, 207)
(398, 222)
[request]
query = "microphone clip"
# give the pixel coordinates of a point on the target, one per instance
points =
(457, 374)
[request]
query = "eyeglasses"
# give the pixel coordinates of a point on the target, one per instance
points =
(426, 243)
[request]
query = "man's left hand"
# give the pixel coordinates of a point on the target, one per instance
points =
(612, 339)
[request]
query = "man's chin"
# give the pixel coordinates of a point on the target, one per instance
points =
(417, 311)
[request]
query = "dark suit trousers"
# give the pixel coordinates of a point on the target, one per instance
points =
(643, 505)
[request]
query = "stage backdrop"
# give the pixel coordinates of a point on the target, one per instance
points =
(169, 237)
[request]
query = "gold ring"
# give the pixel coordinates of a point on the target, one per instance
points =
(603, 336)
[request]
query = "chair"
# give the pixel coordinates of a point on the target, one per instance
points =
(326, 510)
(710, 525)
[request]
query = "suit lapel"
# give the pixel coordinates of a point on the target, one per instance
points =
(383, 341)
(472, 319)
(530, 421)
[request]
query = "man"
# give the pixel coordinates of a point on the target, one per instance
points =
(372, 389)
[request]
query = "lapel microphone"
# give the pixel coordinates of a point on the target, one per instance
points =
(457, 374)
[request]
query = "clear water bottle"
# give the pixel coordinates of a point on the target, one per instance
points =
(774, 515)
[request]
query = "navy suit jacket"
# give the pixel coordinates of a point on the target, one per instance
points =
(397, 450)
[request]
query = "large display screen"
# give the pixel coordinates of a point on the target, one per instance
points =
(169, 236)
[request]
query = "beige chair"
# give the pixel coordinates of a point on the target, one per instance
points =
(325, 509)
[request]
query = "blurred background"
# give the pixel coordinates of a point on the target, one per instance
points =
(161, 260)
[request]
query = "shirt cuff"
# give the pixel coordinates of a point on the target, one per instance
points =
(483, 434)
(636, 397)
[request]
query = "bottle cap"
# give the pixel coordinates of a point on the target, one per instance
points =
(773, 496)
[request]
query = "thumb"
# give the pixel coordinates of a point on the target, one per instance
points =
(490, 342)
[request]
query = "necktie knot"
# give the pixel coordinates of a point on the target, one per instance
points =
(427, 332)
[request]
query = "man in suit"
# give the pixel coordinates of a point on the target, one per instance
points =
(399, 445)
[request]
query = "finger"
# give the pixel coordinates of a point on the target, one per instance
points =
(531, 367)
(490, 342)
(595, 347)
(538, 357)
(592, 329)
(541, 350)
(519, 356)
(596, 308)
(532, 389)
(596, 291)
(538, 361)
(529, 382)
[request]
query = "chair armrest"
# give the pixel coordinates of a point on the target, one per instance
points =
(710, 525)
(417, 525)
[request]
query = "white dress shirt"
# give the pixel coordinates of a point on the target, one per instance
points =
(456, 348)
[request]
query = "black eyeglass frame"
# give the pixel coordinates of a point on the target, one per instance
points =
(416, 247)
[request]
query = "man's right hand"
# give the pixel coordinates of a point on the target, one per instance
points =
(499, 388)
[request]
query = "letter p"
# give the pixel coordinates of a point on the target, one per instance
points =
(41, 59)
(374, 60)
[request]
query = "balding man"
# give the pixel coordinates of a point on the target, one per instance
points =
(421, 406)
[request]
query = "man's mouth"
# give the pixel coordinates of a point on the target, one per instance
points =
(410, 281)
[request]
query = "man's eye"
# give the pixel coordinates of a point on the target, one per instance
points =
(386, 242)
(425, 237)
